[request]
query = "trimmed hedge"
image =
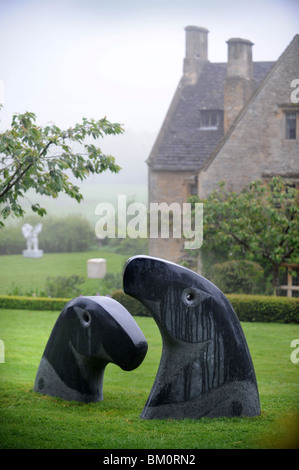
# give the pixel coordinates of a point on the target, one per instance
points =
(31, 303)
(249, 308)
(262, 308)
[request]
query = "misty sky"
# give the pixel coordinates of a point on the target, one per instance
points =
(65, 59)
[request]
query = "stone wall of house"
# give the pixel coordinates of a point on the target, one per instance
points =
(256, 145)
(169, 187)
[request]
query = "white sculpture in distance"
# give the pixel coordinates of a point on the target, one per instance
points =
(31, 235)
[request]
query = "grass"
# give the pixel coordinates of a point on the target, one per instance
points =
(29, 420)
(31, 273)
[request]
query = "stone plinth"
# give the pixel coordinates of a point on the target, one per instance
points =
(96, 268)
(33, 253)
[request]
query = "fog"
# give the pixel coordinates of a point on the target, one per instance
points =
(67, 59)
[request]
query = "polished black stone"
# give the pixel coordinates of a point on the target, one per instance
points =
(205, 367)
(89, 333)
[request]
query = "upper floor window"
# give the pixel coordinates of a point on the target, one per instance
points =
(193, 189)
(291, 126)
(210, 119)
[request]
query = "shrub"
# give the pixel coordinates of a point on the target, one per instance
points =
(66, 235)
(133, 306)
(249, 308)
(16, 290)
(32, 303)
(124, 246)
(66, 287)
(258, 308)
(59, 235)
(110, 283)
(11, 240)
(237, 276)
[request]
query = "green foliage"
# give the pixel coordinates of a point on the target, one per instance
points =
(33, 421)
(111, 282)
(39, 157)
(250, 308)
(258, 308)
(60, 286)
(260, 224)
(254, 308)
(68, 235)
(68, 287)
(59, 235)
(133, 306)
(237, 276)
(17, 291)
(32, 303)
(125, 246)
(12, 240)
(37, 270)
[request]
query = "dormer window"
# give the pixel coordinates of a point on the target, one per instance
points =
(210, 119)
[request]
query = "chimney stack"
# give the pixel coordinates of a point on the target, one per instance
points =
(239, 83)
(196, 51)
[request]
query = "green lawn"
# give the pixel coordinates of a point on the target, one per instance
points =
(30, 420)
(31, 273)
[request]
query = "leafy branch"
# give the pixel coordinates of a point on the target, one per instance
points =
(263, 221)
(37, 157)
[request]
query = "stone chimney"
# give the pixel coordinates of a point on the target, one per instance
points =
(196, 51)
(239, 83)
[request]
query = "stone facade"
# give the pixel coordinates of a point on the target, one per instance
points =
(164, 185)
(227, 121)
(256, 146)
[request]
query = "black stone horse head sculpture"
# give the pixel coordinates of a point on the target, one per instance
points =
(205, 368)
(89, 333)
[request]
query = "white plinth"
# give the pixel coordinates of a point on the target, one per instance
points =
(96, 268)
(33, 253)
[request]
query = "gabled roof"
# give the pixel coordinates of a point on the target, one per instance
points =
(263, 82)
(180, 145)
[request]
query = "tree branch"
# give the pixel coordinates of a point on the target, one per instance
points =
(13, 182)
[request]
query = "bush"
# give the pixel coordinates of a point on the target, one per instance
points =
(133, 306)
(32, 303)
(250, 308)
(237, 276)
(124, 246)
(258, 308)
(110, 283)
(59, 235)
(67, 235)
(11, 240)
(17, 291)
(66, 287)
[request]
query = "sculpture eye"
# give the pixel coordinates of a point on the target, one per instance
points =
(84, 316)
(190, 296)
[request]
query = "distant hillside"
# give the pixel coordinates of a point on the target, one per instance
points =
(93, 193)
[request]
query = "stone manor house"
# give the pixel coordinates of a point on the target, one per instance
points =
(236, 121)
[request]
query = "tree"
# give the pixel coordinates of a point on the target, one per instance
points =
(33, 156)
(262, 222)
